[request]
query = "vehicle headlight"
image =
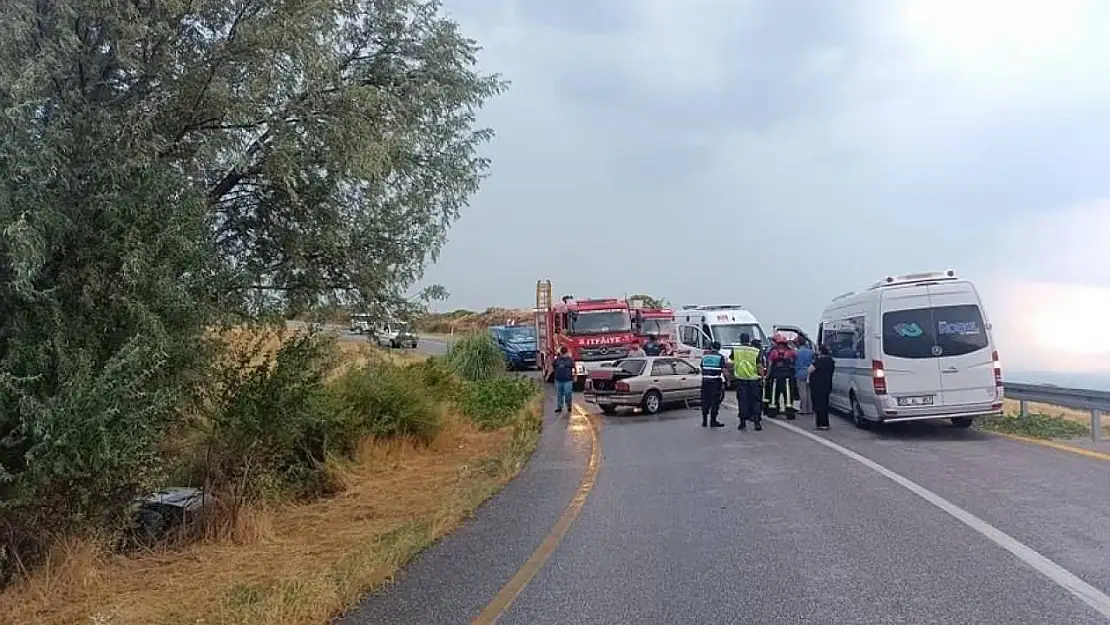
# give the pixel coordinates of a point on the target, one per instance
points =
(580, 368)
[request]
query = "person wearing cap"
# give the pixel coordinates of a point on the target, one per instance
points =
(745, 368)
(712, 368)
(780, 374)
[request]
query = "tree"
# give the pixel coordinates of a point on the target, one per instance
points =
(650, 302)
(166, 165)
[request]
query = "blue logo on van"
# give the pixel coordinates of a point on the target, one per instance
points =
(908, 330)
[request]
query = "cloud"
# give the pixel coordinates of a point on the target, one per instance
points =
(784, 152)
(1049, 289)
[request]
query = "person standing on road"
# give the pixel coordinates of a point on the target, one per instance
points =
(712, 368)
(803, 360)
(780, 365)
(745, 367)
(636, 351)
(820, 385)
(564, 380)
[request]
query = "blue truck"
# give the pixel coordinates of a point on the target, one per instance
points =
(518, 343)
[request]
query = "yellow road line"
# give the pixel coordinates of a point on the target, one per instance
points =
(1090, 453)
(510, 591)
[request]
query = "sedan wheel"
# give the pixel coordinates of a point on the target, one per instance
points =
(652, 403)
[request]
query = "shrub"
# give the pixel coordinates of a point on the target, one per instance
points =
(437, 376)
(496, 402)
(383, 400)
(265, 421)
(476, 357)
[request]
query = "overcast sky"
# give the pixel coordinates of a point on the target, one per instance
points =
(777, 153)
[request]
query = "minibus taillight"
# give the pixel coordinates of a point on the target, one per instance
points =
(997, 370)
(878, 377)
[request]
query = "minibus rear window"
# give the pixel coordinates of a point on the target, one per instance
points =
(934, 332)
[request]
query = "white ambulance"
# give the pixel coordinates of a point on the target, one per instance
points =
(699, 325)
(912, 347)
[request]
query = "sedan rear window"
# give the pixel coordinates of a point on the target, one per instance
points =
(635, 366)
(934, 332)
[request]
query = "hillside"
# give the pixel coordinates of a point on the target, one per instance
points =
(462, 320)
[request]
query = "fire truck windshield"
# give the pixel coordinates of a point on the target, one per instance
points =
(601, 322)
(662, 327)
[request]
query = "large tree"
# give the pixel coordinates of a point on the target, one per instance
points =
(166, 163)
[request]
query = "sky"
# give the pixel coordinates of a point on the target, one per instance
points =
(777, 153)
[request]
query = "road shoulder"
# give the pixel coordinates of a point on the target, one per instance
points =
(454, 580)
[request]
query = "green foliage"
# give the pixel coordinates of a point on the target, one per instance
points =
(650, 301)
(1034, 425)
(267, 418)
(437, 376)
(169, 166)
(496, 402)
(476, 357)
(383, 400)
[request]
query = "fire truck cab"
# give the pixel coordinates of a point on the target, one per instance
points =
(594, 331)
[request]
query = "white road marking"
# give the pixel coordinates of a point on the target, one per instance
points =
(1062, 577)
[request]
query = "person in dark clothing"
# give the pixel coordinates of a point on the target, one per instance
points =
(820, 385)
(564, 380)
(653, 347)
(712, 367)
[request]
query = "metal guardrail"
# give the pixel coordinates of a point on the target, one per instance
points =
(1097, 402)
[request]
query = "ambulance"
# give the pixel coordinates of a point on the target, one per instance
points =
(699, 325)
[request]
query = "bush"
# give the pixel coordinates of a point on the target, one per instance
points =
(383, 400)
(495, 403)
(437, 376)
(266, 420)
(476, 357)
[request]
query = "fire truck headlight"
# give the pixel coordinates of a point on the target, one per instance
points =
(580, 368)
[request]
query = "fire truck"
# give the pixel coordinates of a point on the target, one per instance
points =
(594, 331)
(657, 321)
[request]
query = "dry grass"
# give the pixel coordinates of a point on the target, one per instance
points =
(459, 322)
(293, 565)
(1013, 407)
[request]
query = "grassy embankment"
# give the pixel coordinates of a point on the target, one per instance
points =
(424, 442)
(1042, 421)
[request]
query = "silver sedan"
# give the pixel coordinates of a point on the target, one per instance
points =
(650, 382)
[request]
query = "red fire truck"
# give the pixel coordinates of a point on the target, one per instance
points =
(593, 330)
(657, 321)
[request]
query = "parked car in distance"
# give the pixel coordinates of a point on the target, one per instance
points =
(393, 334)
(651, 383)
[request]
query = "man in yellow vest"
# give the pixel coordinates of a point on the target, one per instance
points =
(745, 366)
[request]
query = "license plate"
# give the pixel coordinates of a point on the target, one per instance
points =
(916, 400)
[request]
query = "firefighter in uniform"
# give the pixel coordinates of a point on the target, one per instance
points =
(745, 364)
(712, 368)
(780, 374)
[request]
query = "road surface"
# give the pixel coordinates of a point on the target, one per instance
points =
(692, 525)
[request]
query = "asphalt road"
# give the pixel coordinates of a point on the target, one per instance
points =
(692, 525)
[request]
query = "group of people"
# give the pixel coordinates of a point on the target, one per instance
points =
(768, 384)
(765, 384)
